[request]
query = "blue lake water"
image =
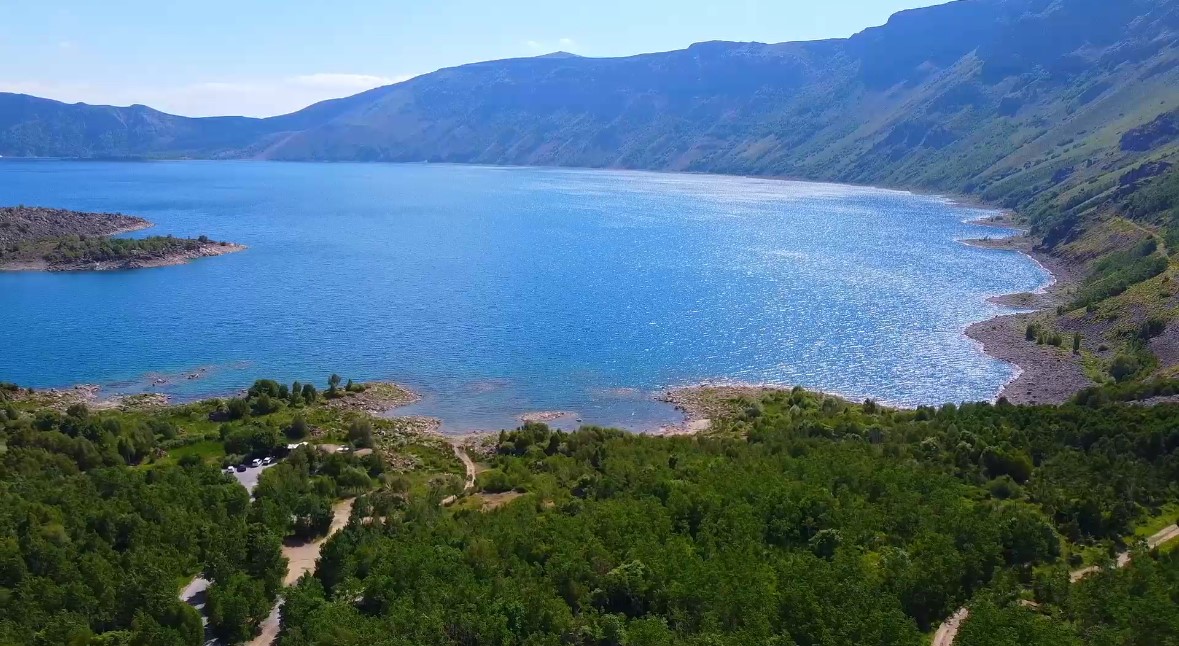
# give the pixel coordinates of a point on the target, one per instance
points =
(498, 291)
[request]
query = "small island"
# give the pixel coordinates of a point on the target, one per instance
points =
(44, 239)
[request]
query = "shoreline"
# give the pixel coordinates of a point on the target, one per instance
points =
(206, 250)
(1044, 374)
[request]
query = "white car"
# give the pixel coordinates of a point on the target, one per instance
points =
(229, 470)
(268, 460)
(256, 463)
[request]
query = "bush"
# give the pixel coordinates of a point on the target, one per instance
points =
(1124, 367)
(360, 434)
(78, 411)
(298, 428)
(265, 405)
(1004, 488)
(237, 408)
(1151, 328)
(264, 387)
(254, 440)
(494, 481)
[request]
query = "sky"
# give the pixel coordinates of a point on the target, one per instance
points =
(267, 57)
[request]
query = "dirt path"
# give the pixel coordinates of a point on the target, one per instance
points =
(472, 471)
(949, 629)
(1164, 535)
(195, 595)
(301, 557)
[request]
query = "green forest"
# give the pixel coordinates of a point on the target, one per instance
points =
(106, 514)
(800, 518)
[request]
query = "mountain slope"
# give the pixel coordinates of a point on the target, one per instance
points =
(974, 96)
(958, 97)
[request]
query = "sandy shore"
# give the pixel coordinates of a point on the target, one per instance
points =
(1047, 374)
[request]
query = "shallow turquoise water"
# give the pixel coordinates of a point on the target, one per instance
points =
(499, 291)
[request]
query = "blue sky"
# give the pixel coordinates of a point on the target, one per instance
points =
(264, 57)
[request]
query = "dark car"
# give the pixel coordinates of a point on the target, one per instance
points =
(241, 467)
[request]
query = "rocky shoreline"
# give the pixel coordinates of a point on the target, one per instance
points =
(1047, 374)
(377, 398)
(205, 250)
(91, 396)
(702, 403)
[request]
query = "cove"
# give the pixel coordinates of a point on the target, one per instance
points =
(499, 291)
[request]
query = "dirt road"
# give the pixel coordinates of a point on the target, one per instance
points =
(301, 557)
(472, 471)
(949, 629)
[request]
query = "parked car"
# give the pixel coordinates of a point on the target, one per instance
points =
(267, 460)
(229, 470)
(241, 467)
(256, 463)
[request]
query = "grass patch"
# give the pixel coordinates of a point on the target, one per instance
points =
(1095, 368)
(1120, 270)
(207, 451)
(1166, 517)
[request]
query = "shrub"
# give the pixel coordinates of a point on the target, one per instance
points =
(1151, 328)
(298, 428)
(360, 434)
(1124, 367)
(237, 408)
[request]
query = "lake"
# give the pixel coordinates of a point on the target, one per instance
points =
(499, 291)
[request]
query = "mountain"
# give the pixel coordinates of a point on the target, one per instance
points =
(975, 96)
(1063, 109)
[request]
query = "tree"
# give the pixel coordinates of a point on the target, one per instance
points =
(238, 408)
(1028, 538)
(1076, 343)
(236, 607)
(265, 405)
(333, 384)
(360, 433)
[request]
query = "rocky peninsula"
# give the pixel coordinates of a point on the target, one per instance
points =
(45, 239)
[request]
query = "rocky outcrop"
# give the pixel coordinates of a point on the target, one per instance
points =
(1149, 136)
(30, 223)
